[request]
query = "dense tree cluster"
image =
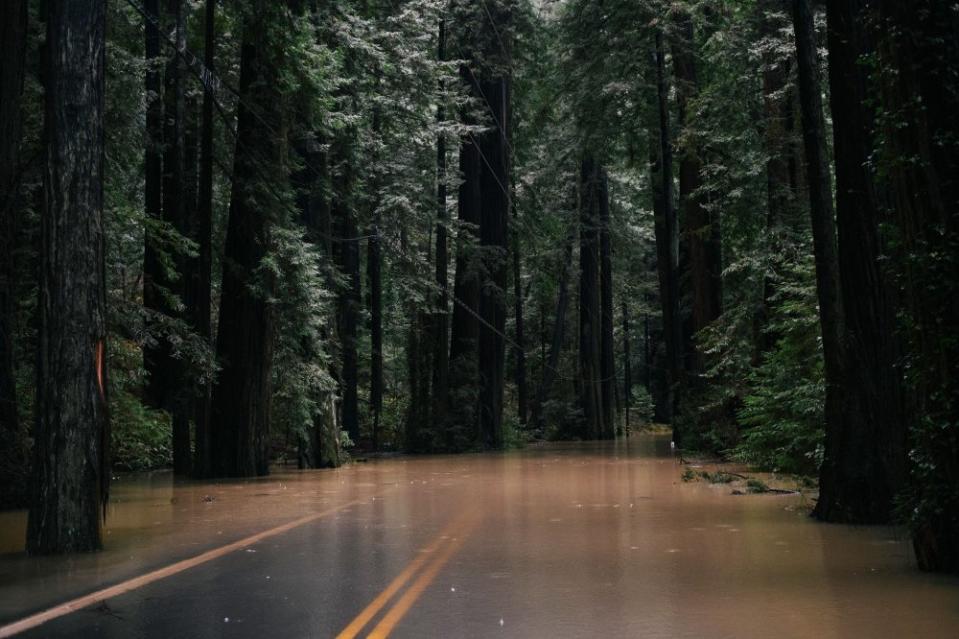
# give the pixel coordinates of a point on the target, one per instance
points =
(243, 233)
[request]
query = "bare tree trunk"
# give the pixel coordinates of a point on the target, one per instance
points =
(627, 365)
(242, 395)
(494, 239)
(824, 237)
(204, 274)
(701, 231)
(918, 57)
(667, 235)
(590, 315)
(71, 451)
(868, 468)
(559, 336)
(13, 44)
(464, 340)
(607, 361)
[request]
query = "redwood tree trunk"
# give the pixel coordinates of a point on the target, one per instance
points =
(350, 298)
(494, 238)
(667, 235)
(607, 362)
(465, 326)
(71, 472)
(204, 266)
(701, 227)
(243, 393)
(156, 356)
(918, 57)
(590, 358)
(867, 460)
(824, 245)
(550, 365)
(13, 43)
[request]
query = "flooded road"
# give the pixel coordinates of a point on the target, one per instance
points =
(583, 540)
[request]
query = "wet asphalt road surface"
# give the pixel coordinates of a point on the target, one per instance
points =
(580, 540)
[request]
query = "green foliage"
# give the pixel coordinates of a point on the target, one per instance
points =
(783, 411)
(140, 436)
(642, 404)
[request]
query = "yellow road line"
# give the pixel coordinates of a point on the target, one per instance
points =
(404, 603)
(352, 630)
(85, 601)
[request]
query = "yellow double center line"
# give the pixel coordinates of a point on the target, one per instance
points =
(433, 557)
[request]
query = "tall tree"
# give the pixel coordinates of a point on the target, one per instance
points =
(176, 210)
(494, 239)
(666, 229)
(441, 324)
(202, 318)
(71, 455)
(374, 274)
(242, 395)
(918, 56)
(590, 357)
(701, 231)
(866, 461)
(464, 338)
(347, 252)
(551, 364)
(607, 360)
(519, 350)
(156, 355)
(627, 365)
(778, 97)
(824, 233)
(13, 45)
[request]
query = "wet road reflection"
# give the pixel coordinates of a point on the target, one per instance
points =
(575, 540)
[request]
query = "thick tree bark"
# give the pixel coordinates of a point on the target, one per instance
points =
(71, 451)
(590, 357)
(13, 44)
(824, 238)
(866, 460)
(918, 56)
(627, 365)
(494, 240)
(204, 268)
(242, 395)
(607, 362)
(464, 340)
(548, 376)
(667, 235)
(701, 227)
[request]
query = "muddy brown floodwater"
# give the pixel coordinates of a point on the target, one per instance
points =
(571, 540)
